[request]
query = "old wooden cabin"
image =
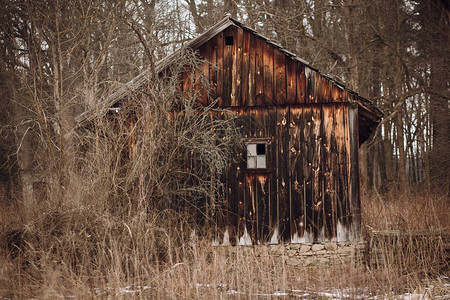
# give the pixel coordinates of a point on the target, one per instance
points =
(297, 181)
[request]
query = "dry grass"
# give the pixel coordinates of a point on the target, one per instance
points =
(409, 235)
(118, 217)
(88, 251)
(419, 211)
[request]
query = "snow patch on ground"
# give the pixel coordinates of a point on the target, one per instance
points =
(308, 237)
(344, 293)
(274, 239)
(226, 238)
(245, 239)
(333, 294)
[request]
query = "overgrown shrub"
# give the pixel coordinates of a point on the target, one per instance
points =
(132, 192)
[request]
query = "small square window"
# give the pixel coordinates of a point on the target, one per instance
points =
(229, 40)
(256, 155)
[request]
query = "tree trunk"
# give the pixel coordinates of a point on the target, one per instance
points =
(352, 67)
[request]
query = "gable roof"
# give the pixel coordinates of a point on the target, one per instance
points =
(371, 114)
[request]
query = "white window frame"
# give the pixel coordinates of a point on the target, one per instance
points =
(256, 158)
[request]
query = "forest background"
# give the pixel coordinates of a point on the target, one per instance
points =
(59, 58)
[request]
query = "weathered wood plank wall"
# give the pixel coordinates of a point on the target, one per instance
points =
(310, 189)
(252, 72)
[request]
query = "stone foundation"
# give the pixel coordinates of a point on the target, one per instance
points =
(320, 254)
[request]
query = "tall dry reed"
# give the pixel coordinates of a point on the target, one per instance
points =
(88, 251)
(120, 219)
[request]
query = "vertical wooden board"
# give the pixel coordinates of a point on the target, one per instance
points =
(259, 72)
(213, 69)
(328, 171)
(262, 129)
(249, 200)
(250, 207)
(220, 70)
(347, 170)
(279, 62)
(342, 182)
(225, 216)
(336, 93)
(308, 133)
(241, 122)
(255, 127)
(254, 113)
(254, 209)
(266, 182)
(228, 60)
(318, 85)
(241, 199)
(325, 90)
(310, 75)
(340, 96)
(346, 96)
(297, 125)
(334, 170)
(355, 204)
(283, 173)
(268, 74)
(251, 81)
(317, 200)
(235, 193)
(339, 166)
(263, 123)
(305, 173)
(301, 83)
(317, 88)
(246, 125)
(321, 88)
(237, 68)
(232, 201)
(272, 189)
(291, 81)
(262, 202)
(204, 51)
(245, 69)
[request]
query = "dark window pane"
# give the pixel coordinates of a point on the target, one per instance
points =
(261, 149)
(229, 40)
